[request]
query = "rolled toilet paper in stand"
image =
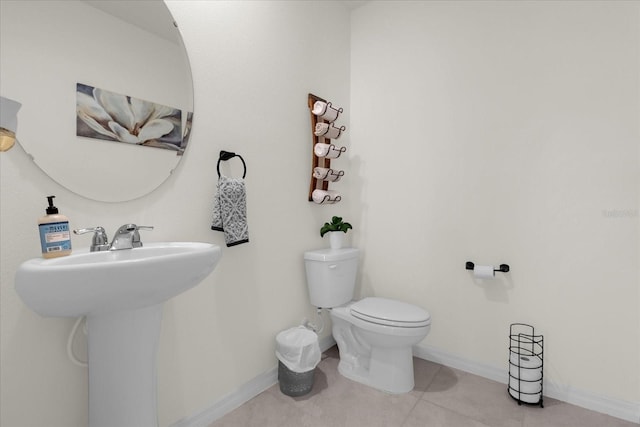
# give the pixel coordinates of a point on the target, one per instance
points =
(530, 392)
(525, 378)
(530, 367)
(483, 271)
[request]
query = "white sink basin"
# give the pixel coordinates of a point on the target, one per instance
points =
(90, 283)
(121, 293)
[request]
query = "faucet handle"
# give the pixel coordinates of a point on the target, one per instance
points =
(100, 241)
(135, 239)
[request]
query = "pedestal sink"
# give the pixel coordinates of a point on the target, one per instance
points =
(121, 293)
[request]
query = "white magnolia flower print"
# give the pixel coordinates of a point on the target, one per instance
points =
(127, 119)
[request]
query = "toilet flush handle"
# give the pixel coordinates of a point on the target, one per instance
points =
(333, 266)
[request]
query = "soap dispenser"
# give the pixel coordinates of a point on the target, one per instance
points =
(55, 238)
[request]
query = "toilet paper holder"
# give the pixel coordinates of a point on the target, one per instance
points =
(526, 360)
(504, 268)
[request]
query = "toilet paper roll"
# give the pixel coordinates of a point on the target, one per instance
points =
(525, 377)
(531, 392)
(483, 271)
(527, 368)
(525, 387)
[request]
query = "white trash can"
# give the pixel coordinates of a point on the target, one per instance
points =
(298, 354)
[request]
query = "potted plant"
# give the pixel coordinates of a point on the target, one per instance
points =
(334, 228)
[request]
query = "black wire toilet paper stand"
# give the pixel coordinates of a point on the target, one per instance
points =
(526, 360)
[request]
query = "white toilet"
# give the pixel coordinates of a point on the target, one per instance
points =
(375, 335)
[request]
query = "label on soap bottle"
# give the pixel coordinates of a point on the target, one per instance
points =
(55, 237)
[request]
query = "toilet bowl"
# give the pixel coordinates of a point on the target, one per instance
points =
(378, 351)
(375, 336)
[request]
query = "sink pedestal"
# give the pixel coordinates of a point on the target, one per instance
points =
(123, 347)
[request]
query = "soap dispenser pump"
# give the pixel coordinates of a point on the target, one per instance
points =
(55, 238)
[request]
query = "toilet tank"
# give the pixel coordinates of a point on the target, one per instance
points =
(331, 276)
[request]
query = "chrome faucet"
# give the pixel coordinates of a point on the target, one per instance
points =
(127, 237)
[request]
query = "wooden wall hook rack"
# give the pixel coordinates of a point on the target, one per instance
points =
(321, 183)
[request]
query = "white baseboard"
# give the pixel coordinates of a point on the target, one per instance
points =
(242, 395)
(629, 411)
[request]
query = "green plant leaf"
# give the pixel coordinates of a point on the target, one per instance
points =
(336, 220)
(325, 229)
(345, 226)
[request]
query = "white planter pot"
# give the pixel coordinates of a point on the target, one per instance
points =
(336, 239)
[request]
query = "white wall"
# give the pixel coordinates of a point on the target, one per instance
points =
(253, 65)
(505, 132)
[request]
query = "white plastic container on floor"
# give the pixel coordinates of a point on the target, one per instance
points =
(298, 353)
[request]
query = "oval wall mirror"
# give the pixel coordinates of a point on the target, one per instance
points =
(61, 56)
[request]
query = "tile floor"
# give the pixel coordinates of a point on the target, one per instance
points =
(443, 397)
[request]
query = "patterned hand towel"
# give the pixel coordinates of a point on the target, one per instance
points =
(230, 210)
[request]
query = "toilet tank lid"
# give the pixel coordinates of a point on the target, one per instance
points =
(331, 254)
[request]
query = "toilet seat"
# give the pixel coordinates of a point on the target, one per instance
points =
(389, 312)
